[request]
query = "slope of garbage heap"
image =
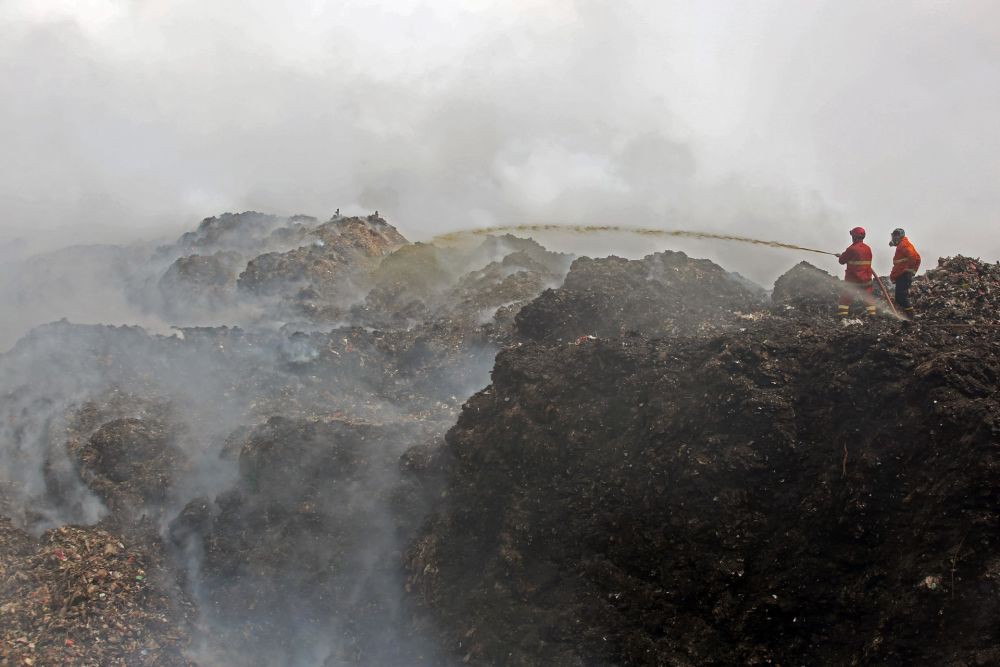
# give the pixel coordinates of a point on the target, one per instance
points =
(790, 491)
(305, 549)
(805, 289)
(484, 284)
(347, 269)
(665, 293)
(297, 265)
(659, 472)
(81, 595)
(960, 290)
(272, 473)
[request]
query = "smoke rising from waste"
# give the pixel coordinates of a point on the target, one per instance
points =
(444, 114)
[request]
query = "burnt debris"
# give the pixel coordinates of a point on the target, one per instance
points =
(353, 449)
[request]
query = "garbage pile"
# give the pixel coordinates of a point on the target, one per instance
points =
(294, 451)
(202, 266)
(774, 494)
(665, 293)
(960, 290)
(405, 281)
(664, 470)
(338, 254)
(806, 289)
(497, 292)
(131, 463)
(306, 544)
(236, 231)
(201, 281)
(468, 287)
(83, 596)
(288, 265)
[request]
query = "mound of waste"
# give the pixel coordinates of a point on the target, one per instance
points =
(304, 547)
(232, 231)
(130, 462)
(469, 285)
(199, 281)
(960, 290)
(776, 494)
(337, 251)
(240, 442)
(243, 257)
(807, 289)
(82, 596)
(665, 469)
(665, 293)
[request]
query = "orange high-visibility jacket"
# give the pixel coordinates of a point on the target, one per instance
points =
(858, 258)
(906, 259)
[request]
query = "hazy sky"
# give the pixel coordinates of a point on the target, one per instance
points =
(780, 119)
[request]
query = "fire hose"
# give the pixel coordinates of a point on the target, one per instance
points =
(885, 293)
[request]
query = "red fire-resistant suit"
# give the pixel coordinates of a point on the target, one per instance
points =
(858, 258)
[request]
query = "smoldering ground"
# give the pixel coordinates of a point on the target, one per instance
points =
(268, 458)
(209, 398)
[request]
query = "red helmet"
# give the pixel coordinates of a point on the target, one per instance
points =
(858, 233)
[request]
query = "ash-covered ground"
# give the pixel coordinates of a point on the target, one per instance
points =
(356, 450)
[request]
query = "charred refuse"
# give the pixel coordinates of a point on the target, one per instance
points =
(343, 448)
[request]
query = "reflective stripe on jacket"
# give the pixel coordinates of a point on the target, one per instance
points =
(906, 259)
(858, 258)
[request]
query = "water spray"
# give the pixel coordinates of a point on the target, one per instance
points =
(620, 229)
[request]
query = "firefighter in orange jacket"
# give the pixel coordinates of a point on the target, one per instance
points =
(858, 276)
(905, 264)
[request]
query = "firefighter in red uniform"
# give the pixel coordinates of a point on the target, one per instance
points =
(905, 264)
(858, 276)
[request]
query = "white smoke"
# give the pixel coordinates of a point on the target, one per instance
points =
(124, 120)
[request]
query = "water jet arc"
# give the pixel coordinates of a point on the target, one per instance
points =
(622, 229)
